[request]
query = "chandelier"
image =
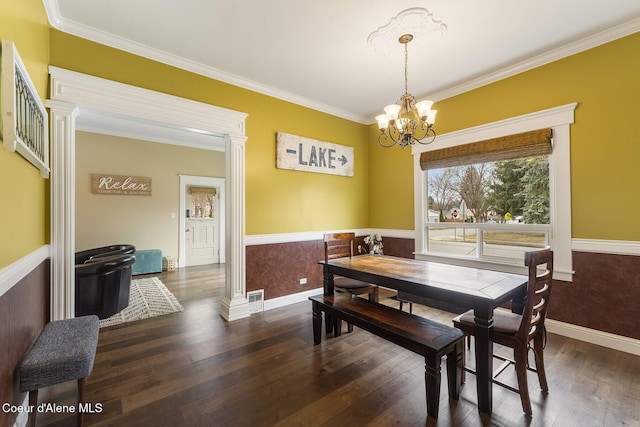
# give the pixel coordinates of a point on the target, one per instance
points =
(408, 121)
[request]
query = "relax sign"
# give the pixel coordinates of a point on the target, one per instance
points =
(305, 154)
(120, 184)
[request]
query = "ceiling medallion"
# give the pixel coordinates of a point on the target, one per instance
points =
(417, 21)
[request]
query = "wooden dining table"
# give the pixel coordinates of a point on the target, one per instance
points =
(470, 288)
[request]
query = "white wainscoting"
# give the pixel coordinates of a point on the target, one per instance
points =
(18, 270)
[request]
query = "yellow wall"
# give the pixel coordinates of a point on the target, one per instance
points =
(24, 219)
(605, 139)
(277, 201)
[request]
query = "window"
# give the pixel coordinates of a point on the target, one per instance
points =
(491, 210)
(202, 202)
(490, 201)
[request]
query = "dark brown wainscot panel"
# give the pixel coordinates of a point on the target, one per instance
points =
(277, 268)
(604, 294)
(24, 310)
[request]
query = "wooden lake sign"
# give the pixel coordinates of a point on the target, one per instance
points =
(120, 184)
(309, 155)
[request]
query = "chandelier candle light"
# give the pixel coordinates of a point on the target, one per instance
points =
(408, 121)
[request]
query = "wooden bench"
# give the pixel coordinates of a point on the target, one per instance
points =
(418, 334)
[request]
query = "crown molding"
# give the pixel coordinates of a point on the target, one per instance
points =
(552, 55)
(108, 39)
(53, 13)
(121, 43)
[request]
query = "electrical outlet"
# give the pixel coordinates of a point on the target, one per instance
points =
(303, 281)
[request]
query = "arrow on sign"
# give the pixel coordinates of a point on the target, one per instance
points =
(343, 160)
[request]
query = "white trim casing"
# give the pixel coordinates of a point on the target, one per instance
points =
(559, 119)
(63, 214)
(71, 92)
(235, 304)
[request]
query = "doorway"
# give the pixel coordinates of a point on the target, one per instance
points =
(74, 94)
(202, 233)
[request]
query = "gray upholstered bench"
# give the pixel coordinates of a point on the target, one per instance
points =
(64, 351)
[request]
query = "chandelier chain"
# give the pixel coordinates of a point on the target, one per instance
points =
(406, 68)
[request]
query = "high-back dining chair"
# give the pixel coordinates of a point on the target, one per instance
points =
(340, 245)
(525, 331)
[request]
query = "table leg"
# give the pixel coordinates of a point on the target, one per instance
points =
(317, 323)
(484, 358)
(328, 290)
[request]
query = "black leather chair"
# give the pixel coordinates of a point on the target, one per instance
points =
(103, 285)
(105, 251)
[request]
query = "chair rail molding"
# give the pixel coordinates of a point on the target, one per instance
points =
(72, 94)
(618, 247)
(18, 270)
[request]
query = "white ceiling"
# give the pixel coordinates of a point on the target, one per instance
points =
(316, 53)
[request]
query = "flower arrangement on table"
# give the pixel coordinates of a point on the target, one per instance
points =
(374, 244)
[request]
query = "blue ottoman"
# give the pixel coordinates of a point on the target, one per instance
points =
(147, 261)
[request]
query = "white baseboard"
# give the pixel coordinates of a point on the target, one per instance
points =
(15, 272)
(605, 339)
(291, 299)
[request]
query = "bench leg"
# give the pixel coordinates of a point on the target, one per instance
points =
(455, 370)
(317, 323)
(432, 381)
(33, 403)
(80, 400)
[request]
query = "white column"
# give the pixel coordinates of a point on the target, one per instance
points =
(235, 305)
(63, 133)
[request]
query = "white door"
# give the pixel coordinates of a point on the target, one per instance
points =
(190, 251)
(202, 241)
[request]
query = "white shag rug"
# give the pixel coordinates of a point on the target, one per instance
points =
(149, 297)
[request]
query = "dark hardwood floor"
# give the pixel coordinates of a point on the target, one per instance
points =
(195, 369)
